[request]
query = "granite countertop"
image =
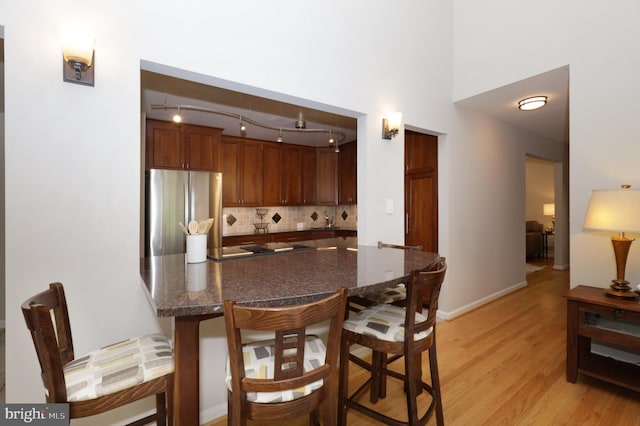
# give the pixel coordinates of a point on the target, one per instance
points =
(177, 288)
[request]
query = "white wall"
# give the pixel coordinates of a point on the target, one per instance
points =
(604, 66)
(73, 169)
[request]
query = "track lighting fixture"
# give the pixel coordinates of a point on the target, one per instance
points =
(335, 136)
(337, 149)
(177, 117)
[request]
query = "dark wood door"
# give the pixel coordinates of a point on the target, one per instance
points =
(421, 190)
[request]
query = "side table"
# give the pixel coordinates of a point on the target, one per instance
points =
(591, 314)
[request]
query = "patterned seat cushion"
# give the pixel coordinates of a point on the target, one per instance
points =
(118, 366)
(385, 322)
(258, 363)
(389, 294)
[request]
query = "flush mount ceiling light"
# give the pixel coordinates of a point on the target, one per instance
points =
(77, 57)
(336, 135)
(534, 102)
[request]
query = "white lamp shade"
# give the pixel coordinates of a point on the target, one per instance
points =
(548, 209)
(614, 210)
(77, 46)
(395, 121)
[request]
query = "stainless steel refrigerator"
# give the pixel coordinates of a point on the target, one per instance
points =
(175, 196)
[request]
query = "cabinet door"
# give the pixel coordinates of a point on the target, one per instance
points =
(164, 145)
(327, 168)
(229, 164)
(308, 173)
(347, 174)
(291, 175)
(252, 173)
(272, 174)
(201, 144)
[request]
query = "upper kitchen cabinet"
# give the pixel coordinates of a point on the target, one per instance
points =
(181, 146)
(327, 175)
(241, 164)
(347, 174)
(308, 173)
(282, 174)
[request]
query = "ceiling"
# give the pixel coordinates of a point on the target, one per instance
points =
(159, 89)
(550, 121)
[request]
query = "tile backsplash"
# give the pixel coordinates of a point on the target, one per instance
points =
(240, 220)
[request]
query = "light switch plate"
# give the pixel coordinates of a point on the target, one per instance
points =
(389, 206)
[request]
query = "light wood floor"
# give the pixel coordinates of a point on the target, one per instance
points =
(504, 364)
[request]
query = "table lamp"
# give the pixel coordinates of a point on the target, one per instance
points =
(616, 211)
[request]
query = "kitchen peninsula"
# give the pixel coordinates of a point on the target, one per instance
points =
(195, 292)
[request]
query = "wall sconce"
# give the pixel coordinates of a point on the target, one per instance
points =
(391, 125)
(78, 58)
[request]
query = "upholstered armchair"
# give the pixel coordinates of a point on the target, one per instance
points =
(534, 231)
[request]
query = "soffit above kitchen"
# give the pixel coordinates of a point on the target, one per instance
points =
(161, 89)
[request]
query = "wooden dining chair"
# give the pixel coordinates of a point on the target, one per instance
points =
(290, 375)
(103, 379)
(396, 332)
(396, 294)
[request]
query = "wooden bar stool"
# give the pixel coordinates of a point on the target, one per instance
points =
(103, 379)
(290, 375)
(396, 332)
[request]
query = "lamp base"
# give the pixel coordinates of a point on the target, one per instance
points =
(621, 290)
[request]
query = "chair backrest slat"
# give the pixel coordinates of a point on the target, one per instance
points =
(47, 319)
(289, 325)
(423, 291)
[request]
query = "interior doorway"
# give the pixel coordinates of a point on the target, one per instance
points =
(421, 190)
(540, 201)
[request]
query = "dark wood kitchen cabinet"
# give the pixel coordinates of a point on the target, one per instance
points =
(181, 146)
(241, 164)
(308, 174)
(282, 174)
(327, 175)
(347, 174)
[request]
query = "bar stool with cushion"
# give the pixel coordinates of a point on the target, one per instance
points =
(103, 379)
(395, 295)
(400, 332)
(288, 376)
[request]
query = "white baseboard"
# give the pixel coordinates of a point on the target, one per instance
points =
(477, 303)
(561, 267)
(213, 413)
